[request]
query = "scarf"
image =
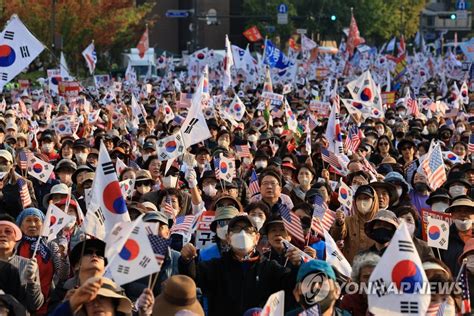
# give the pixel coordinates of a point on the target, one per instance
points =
(43, 249)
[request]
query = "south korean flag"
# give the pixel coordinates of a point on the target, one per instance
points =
(18, 48)
(398, 284)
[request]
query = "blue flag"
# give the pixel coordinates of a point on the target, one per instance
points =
(274, 57)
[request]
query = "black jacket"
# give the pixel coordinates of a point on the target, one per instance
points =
(232, 287)
(455, 249)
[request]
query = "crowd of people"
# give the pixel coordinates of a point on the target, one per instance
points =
(251, 251)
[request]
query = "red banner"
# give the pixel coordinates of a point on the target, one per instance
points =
(69, 89)
(253, 34)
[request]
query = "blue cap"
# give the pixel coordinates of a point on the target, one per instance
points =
(315, 266)
(27, 212)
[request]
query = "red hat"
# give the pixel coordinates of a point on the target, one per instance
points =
(63, 201)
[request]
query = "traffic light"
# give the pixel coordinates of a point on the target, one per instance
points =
(333, 18)
(453, 16)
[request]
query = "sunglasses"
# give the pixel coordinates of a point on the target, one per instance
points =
(93, 252)
(143, 183)
(383, 144)
(405, 148)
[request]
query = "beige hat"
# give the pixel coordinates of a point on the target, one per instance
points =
(150, 206)
(462, 202)
(143, 175)
(112, 290)
(6, 155)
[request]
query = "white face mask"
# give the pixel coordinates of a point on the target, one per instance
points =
(246, 161)
(354, 187)
(278, 130)
(261, 164)
(48, 147)
(169, 181)
(457, 190)
(463, 225)
(411, 228)
(470, 263)
(399, 192)
(252, 138)
(364, 206)
(3, 174)
(304, 180)
(242, 241)
(221, 232)
(223, 143)
(258, 221)
(145, 157)
(143, 189)
(460, 129)
(439, 206)
(81, 158)
(67, 156)
(210, 190)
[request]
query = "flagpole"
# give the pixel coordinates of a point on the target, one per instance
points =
(464, 262)
(36, 247)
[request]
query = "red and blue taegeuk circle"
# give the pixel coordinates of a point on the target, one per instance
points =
(434, 232)
(55, 80)
(113, 199)
(357, 105)
(52, 220)
(407, 276)
(7, 56)
(130, 250)
(170, 146)
(344, 193)
(38, 168)
(451, 157)
(366, 94)
(237, 107)
(223, 166)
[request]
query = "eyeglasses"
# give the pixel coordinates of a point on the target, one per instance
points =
(268, 184)
(405, 148)
(238, 229)
(383, 144)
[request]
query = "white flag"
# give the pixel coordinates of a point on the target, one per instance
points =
(64, 68)
(364, 89)
(135, 259)
(54, 221)
(167, 111)
(399, 280)
(275, 305)
(170, 147)
(137, 109)
(194, 127)
(226, 168)
(291, 120)
(464, 93)
(438, 233)
(106, 192)
(345, 195)
(236, 108)
(307, 44)
(19, 49)
(127, 187)
(39, 169)
(130, 74)
(90, 56)
(335, 257)
(119, 166)
(94, 222)
(228, 63)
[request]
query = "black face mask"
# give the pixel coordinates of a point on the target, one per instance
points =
(421, 187)
(382, 235)
(306, 222)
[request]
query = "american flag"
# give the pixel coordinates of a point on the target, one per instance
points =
(323, 217)
(412, 106)
(24, 192)
(464, 284)
(313, 122)
(24, 157)
(471, 144)
(254, 188)
(353, 139)
(242, 151)
(216, 167)
(330, 158)
(368, 167)
(160, 247)
(433, 166)
(182, 224)
(292, 222)
(168, 207)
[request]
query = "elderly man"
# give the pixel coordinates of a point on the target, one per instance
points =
(386, 192)
(30, 291)
(462, 212)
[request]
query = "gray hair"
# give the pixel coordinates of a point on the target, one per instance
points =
(365, 259)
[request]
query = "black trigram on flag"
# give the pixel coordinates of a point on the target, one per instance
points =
(405, 246)
(409, 307)
(108, 167)
(4, 76)
(337, 255)
(380, 288)
(191, 125)
(9, 35)
(135, 230)
(24, 51)
(145, 261)
(123, 269)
